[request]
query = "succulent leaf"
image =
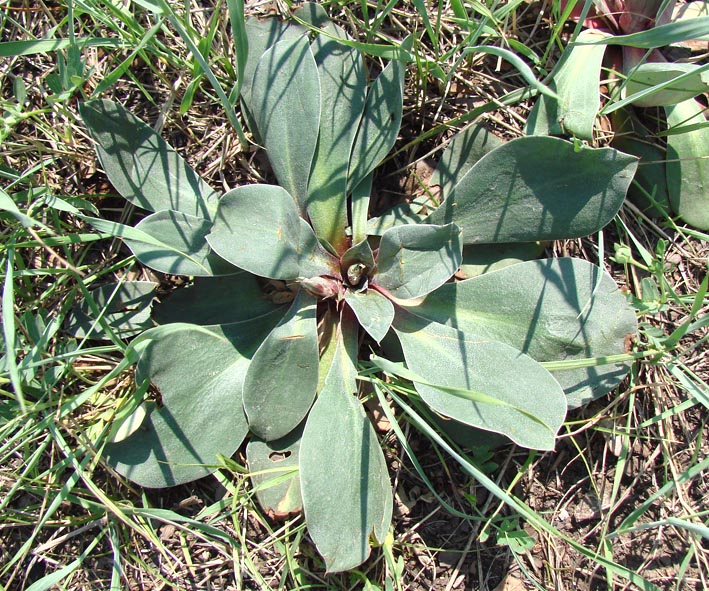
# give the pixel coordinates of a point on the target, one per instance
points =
(280, 384)
(186, 238)
(461, 154)
(657, 84)
(343, 85)
(344, 481)
(509, 392)
(142, 167)
(537, 188)
(170, 446)
(380, 123)
(576, 80)
(414, 260)
(285, 104)
(261, 36)
(374, 312)
(475, 350)
(258, 229)
(688, 164)
(274, 473)
(551, 309)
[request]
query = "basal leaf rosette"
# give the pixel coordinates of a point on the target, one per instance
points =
(292, 286)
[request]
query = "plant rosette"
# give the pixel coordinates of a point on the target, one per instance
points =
(629, 36)
(289, 278)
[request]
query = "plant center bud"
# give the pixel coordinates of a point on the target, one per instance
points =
(354, 274)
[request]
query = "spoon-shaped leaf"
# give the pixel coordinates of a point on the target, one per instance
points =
(343, 85)
(261, 36)
(274, 473)
(257, 228)
(380, 122)
(374, 312)
(313, 259)
(576, 80)
(538, 188)
(359, 202)
(125, 308)
(343, 475)
(285, 102)
(552, 310)
(186, 237)
(688, 164)
(141, 165)
(482, 383)
(283, 375)
(415, 260)
(200, 374)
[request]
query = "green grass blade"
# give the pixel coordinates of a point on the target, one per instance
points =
(199, 58)
(43, 46)
(524, 70)
(56, 577)
(241, 42)
(675, 32)
(9, 329)
(112, 77)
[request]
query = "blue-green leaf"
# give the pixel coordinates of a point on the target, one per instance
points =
(343, 85)
(688, 164)
(484, 258)
(576, 80)
(461, 154)
(359, 202)
(273, 467)
(655, 84)
(374, 312)
(262, 34)
(258, 229)
(537, 188)
(555, 309)
(200, 374)
(649, 188)
(414, 260)
(344, 480)
(360, 253)
(380, 124)
(285, 103)
(283, 376)
(401, 214)
(498, 388)
(186, 251)
(142, 166)
(675, 32)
